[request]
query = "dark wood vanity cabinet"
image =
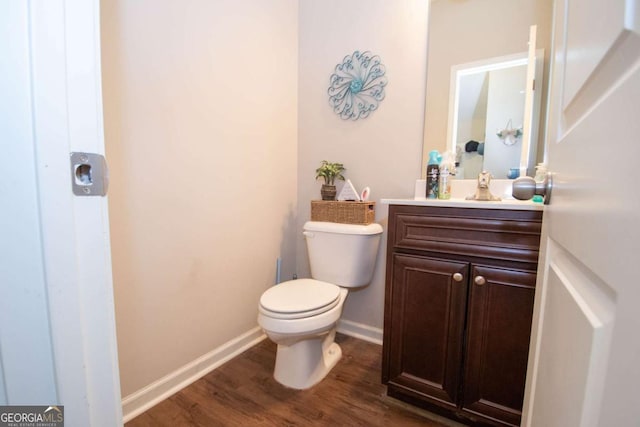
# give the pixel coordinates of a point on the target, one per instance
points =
(458, 308)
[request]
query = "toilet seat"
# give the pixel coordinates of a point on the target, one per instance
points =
(300, 298)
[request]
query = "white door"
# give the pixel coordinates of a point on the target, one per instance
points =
(584, 366)
(57, 328)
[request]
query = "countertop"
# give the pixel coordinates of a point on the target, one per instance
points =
(511, 204)
(462, 188)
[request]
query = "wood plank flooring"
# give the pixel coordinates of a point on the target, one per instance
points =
(243, 392)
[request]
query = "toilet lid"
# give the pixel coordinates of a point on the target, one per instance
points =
(299, 298)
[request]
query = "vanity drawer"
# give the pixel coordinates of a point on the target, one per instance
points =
(511, 235)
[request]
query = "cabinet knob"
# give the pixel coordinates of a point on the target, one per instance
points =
(480, 280)
(457, 277)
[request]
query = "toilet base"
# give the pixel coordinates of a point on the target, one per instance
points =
(305, 363)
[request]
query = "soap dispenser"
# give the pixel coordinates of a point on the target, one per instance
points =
(433, 174)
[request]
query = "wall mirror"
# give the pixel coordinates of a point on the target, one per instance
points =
(480, 50)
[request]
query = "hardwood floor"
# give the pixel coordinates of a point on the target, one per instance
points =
(243, 392)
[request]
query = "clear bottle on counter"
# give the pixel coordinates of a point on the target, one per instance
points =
(447, 170)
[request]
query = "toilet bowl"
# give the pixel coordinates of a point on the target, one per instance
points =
(301, 316)
(305, 338)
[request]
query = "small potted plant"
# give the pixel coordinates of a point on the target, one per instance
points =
(329, 172)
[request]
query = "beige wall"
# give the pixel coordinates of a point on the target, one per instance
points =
(200, 102)
(382, 151)
(467, 31)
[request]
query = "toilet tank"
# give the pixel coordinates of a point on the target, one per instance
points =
(342, 254)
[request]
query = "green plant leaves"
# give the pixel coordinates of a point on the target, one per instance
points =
(330, 172)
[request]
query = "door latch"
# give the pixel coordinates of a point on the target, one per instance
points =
(89, 174)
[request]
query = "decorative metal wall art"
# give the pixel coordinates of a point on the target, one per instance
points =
(357, 86)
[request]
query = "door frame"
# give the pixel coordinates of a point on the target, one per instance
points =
(66, 101)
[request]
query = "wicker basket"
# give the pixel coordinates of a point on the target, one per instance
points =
(343, 212)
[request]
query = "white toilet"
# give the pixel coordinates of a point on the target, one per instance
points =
(301, 315)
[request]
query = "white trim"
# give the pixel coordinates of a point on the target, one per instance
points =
(360, 331)
(66, 111)
(149, 396)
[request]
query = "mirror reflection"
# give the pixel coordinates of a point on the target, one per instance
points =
(487, 128)
(463, 32)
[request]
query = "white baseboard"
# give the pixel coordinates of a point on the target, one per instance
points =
(149, 396)
(361, 331)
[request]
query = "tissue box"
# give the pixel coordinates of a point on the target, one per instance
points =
(343, 212)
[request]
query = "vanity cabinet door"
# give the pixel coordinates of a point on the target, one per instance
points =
(425, 325)
(498, 329)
